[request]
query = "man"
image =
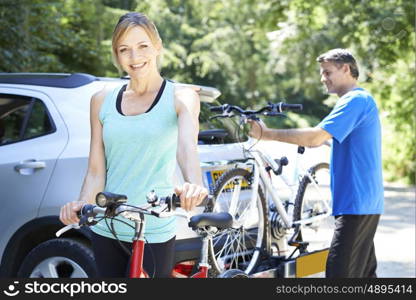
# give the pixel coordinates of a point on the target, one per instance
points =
(356, 171)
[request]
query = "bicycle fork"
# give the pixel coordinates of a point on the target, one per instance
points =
(136, 263)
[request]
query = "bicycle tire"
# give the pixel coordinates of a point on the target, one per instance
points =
(243, 238)
(325, 228)
(233, 273)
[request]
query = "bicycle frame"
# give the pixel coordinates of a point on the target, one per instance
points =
(136, 262)
(260, 174)
(110, 205)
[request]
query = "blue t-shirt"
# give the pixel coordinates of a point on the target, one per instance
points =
(356, 169)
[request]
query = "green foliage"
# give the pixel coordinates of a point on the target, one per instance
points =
(218, 43)
(381, 34)
(254, 51)
(58, 36)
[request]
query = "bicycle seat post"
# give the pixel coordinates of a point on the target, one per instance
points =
(203, 265)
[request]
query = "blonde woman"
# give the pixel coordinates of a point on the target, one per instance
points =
(138, 132)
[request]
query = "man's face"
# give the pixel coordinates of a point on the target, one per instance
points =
(333, 76)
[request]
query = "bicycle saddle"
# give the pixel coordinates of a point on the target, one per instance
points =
(222, 220)
(212, 136)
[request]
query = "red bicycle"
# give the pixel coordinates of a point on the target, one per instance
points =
(110, 205)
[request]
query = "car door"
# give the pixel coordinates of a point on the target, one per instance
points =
(32, 135)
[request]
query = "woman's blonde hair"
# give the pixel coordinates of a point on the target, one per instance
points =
(128, 21)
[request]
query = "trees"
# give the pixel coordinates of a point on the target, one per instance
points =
(58, 36)
(259, 51)
(218, 43)
(253, 51)
(381, 34)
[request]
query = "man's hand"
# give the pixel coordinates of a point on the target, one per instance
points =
(191, 195)
(257, 129)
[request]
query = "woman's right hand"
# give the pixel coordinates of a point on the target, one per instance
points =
(68, 214)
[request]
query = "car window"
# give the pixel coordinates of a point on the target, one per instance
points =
(22, 118)
(226, 124)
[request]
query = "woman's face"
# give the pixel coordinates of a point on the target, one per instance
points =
(136, 52)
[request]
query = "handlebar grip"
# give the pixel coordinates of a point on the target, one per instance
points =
(85, 210)
(216, 108)
(176, 201)
(85, 213)
(286, 106)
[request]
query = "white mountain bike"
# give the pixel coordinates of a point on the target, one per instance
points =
(263, 214)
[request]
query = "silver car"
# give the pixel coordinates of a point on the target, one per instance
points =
(44, 147)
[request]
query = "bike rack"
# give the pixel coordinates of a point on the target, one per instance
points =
(311, 264)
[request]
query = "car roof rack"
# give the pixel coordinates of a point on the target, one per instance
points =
(62, 80)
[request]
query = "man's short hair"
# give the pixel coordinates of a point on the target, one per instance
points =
(340, 57)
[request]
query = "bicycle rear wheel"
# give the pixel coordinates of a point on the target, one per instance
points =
(240, 246)
(233, 273)
(313, 199)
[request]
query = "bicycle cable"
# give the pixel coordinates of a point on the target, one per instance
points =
(113, 232)
(127, 251)
(153, 258)
(241, 143)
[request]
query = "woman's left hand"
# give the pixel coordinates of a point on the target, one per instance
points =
(191, 195)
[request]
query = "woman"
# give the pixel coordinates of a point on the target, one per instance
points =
(138, 131)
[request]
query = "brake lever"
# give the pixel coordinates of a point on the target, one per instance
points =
(165, 214)
(184, 214)
(274, 114)
(66, 228)
(217, 117)
(222, 116)
(87, 220)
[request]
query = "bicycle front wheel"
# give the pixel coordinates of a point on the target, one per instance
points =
(314, 199)
(240, 246)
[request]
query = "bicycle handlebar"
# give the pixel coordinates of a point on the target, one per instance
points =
(159, 207)
(273, 108)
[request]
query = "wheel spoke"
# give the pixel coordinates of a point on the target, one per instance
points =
(234, 248)
(224, 246)
(219, 237)
(231, 249)
(316, 200)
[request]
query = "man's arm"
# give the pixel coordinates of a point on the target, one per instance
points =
(308, 137)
